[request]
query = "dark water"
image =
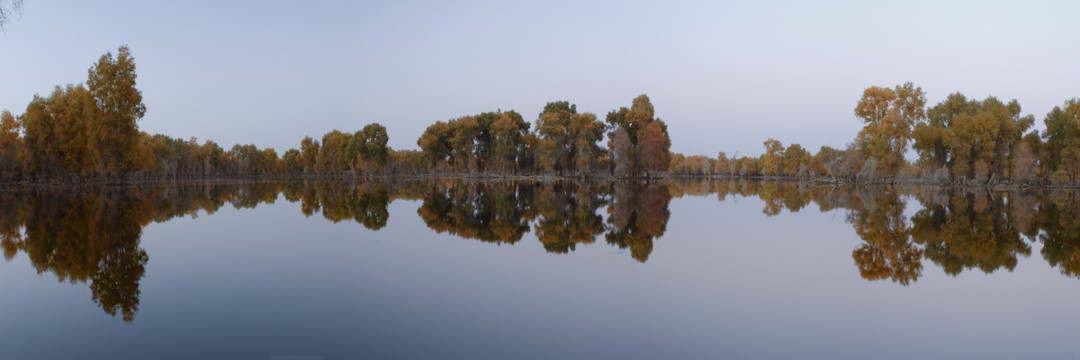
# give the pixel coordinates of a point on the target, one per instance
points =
(538, 270)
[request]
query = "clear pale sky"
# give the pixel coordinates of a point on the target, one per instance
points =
(724, 76)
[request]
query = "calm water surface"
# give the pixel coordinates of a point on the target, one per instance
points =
(538, 270)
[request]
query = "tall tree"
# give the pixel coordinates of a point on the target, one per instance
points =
(309, 153)
(772, 161)
(11, 148)
(636, 122)
(435, 143)
(112, 83)
(556, 136)
(508, 134)
(1061, 137)
(888, 115)
(972, 139)
(370, 144)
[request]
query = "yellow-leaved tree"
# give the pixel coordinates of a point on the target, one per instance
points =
(112, 84)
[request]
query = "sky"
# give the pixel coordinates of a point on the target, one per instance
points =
(725, 76)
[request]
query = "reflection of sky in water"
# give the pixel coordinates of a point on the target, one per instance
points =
(724, 281)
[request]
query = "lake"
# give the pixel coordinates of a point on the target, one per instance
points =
(527, 269)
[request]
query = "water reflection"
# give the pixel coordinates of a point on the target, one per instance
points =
(91, 236)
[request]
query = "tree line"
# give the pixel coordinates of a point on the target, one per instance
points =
(90, 131)
(958, 141)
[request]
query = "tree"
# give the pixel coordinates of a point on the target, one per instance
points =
(586, 132)
(435, 143)
(722, 164)
(622, 151)
(290, 162)
(334, 155)
(1062, 135)
(508, 134)
(112, 83)
(309, 153)
(961, 134)
(796, 160)
(11, 148)
(370, 144)
(556, 136)
(772, 160)
(888, 115)
(653, 148)
(635, 121)
(929, 135)
(59, 132)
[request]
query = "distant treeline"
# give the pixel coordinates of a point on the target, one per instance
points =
(89, 131)
(958, 142)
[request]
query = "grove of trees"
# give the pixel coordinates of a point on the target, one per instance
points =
(89, 132)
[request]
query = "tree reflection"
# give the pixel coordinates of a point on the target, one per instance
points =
(887, 251)
(567, 215)
(91, 235)
(638, 215)
(491, 212)
(1060, 219)
(564, 214)
(965, 230)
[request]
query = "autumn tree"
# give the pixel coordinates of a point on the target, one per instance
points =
(722, 164)
(887, 251)
(973, 139)
(11, 147)
(772, 160)
(290, 162)
(435, 143)
(796, 161)
(112, 83)
(508, 140)
(1062, 141)
(334, 155)
(59, 132)
(929, 135)
(309, 153)
(648, 135)
(556, 139)
(888, 115)
(369, 144)
(568, 140)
